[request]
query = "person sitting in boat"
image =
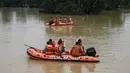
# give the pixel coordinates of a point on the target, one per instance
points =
(91, 52)
(48, 49)
(51, 18)
(51, 22)
(65, 20)
(52, 42)
(70, 20)
(60, 19)
(56, 20)
(59, 48)
(76, 50)
(82, 47)
(80, 42)
(63, 43)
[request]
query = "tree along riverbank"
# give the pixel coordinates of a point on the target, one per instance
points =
(68, 6)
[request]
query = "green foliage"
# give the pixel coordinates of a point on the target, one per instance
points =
(68, 6)
(72, 6)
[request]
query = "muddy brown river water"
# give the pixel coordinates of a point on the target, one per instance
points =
(108, 32)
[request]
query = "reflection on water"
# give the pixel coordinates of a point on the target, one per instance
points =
(91, 67)
(12, 16)
(89, 25)
(76, 68)
(103, 19)
(61, 67)
(108, 32)
(63, 30)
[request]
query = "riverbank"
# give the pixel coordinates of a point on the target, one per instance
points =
(68, 12)
(124, 10)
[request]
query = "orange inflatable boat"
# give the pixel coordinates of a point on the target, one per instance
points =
(60, 24)
(37, 53)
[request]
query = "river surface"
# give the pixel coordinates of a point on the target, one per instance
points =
(108, 32)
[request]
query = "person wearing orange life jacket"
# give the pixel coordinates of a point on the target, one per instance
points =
(51, 21)
(52, 42)
(65, 20)
(51, 18)
(48, 49)
(76, 50)
(70, 20)
(56, 20)
(60, 20)
(56, 50)
(59, 48)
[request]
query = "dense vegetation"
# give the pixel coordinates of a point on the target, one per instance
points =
(68, 6)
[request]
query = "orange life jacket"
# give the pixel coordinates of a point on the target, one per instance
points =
(56, 50)
(70, 19)
(65, 20)
(49, 49)
(76, 51)
(57, 20)
(54, 20)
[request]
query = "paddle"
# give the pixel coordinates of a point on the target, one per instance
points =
(38, 50)
(29, 46)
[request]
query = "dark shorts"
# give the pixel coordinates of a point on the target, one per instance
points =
(51, 22)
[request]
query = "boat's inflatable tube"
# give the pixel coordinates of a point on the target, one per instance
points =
(36, 53)
(60, 24)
